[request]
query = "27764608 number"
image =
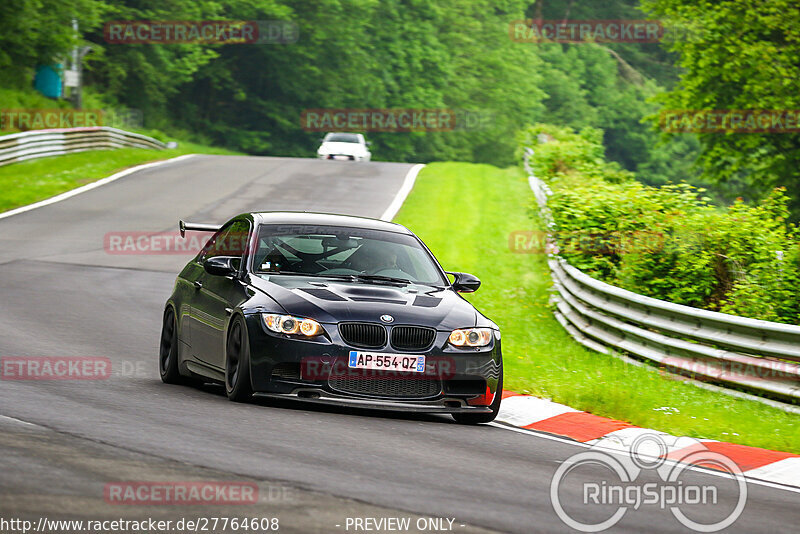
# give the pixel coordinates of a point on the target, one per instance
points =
(244, 524)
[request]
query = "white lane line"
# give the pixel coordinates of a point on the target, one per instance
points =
(402, 194)
(786, 471)
(537, 434)
(18, 421)
(93, 185)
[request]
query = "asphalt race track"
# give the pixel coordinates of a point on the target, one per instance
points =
(62, 441)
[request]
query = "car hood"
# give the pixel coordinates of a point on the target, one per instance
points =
(341, 148)
(329, 301)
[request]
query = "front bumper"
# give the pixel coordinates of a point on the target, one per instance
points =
(318, 396)
(344, 157)
(455, 380)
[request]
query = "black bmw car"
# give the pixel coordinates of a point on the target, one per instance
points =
(330, 308)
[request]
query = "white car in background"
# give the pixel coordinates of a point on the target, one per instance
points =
(346, 146)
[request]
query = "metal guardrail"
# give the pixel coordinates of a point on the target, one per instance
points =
(42, 143)
(748, 354)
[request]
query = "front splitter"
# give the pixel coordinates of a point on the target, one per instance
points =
(325, 397)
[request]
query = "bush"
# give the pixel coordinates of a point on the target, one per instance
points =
(667, 242)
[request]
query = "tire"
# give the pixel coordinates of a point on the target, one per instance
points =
(237, 363)
(168, 349)
(481, 418)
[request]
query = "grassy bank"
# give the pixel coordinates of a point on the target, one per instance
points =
(466, 213)
(30, 181)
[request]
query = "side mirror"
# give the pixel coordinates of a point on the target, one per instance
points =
(369, 143)
(220, 265)
(465, 282)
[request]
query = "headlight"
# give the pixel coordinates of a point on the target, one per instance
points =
(471, 337)
(286, 324)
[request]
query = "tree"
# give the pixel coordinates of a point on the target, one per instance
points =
(36, 32)
(739, 55)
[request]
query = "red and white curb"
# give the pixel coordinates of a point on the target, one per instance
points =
(541, 415)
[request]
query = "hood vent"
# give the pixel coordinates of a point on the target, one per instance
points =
(324, 294)
(426, 302)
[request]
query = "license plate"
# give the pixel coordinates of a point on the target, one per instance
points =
(386, 362)
(341, 157)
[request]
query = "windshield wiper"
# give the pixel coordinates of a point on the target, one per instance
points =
(351, 277)
(379, 278)
(293, 273)
(313, 275)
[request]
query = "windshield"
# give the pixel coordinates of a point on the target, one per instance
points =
(343, 252)
(341, 138)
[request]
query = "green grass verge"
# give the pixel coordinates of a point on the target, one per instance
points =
(30, 181)
(465, 213)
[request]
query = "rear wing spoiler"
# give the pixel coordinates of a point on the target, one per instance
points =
(197, 227)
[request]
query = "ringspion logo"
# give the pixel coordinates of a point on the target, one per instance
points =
(594, 489)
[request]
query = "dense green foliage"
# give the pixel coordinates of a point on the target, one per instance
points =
(739, 55)
(364, 54)
(454, 54)
(668, 242)
(39, 31)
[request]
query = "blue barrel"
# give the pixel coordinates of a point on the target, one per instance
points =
(48, 80)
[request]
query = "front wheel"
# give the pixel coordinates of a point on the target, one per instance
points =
(168, 349)
(479, 418)
(237, 363)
